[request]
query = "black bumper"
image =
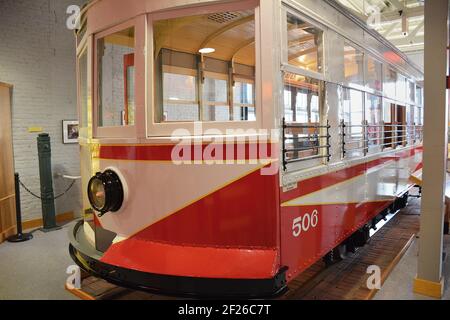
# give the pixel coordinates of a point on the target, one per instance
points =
(178, 285)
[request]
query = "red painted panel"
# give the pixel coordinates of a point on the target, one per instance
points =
(335, 223)
(208, 262)
(244, 151)
(243, 214)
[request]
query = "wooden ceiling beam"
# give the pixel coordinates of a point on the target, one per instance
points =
(241, 47)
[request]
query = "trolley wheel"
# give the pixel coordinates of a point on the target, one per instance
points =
(335, 255)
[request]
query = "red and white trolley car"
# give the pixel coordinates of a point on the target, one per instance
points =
(226, 146)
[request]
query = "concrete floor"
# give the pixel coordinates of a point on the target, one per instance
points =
(399, 284)
(36, 269)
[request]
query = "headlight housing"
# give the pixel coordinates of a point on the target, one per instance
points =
(105, 192)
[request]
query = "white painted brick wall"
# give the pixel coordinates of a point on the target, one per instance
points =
(37, 56)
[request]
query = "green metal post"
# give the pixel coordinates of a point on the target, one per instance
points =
(45, 173)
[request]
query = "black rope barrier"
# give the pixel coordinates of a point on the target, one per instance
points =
(40, 198)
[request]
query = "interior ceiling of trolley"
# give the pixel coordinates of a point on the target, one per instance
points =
(230, 34)
(393, 14)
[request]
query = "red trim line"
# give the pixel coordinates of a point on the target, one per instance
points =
(211, 151)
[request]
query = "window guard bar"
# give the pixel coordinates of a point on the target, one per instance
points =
(400, 134)
(405, 132)
(318, 138)
(308, 148)
(314, 137)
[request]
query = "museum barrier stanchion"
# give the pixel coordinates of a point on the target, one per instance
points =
(47, 196)
(46, 179)
(20, 236)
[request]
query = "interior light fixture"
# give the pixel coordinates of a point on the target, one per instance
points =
(206, 50)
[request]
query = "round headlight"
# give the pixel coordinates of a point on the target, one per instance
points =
(105, 192)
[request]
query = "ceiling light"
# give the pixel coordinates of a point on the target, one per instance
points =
(206, 50)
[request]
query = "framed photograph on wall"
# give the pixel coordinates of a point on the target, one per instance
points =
(70, 131)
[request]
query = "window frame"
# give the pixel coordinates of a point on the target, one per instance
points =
(85, 46)
(313, 163)
(367, 88)
(129, 131)
(285, 66)
(164, 129)
(357, 48)
(375, 148)
(360, 149)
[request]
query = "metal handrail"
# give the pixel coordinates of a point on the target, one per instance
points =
(304, 126)
(376, 125)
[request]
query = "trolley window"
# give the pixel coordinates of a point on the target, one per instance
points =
(353, 65)
(419, 95)
(215, 98)
(205, 67)
(418, 116)
(410, 128)
(387, 106)
(180, 98)
(243, 95)
(374, 73)
(401, 88)
(115, 79)
(351, 116)
(304, 44)
(393, 117)
(389, 82)
(305, 137)
(411, 91)
(373, 118)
